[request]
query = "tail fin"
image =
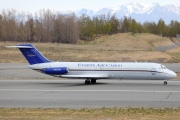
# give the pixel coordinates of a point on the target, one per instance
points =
(32, 55)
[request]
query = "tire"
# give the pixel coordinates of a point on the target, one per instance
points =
(87, 82)
(93, 81)
(165, 82)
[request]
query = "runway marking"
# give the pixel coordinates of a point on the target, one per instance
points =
(36, 90)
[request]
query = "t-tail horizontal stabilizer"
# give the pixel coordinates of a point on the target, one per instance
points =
(32, 55)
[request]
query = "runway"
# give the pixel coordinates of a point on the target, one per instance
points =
(21, 87)
(74, 94)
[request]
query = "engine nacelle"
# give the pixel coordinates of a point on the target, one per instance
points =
(56, 71)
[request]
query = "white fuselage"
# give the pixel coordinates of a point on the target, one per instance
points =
(110, 70)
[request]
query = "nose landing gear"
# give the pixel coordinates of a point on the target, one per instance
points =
(165, 82)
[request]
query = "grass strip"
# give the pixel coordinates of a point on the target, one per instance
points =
(89, 114)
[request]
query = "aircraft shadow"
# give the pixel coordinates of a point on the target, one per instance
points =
(105, 83)
(70, 84)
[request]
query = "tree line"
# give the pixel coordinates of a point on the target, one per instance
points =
(44, 26)
(50, 26)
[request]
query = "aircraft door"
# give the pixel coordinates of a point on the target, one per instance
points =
(153, 71)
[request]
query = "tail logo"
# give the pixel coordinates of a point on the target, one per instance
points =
(31, 55)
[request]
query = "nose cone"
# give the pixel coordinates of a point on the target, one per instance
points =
(173, 74)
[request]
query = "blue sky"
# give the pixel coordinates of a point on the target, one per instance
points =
(71, 5)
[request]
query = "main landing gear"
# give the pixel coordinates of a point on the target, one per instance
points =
(90, 81)
(165, 82)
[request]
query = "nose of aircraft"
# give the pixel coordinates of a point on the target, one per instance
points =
(173, 74)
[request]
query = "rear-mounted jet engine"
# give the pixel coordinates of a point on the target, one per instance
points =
(55, 71)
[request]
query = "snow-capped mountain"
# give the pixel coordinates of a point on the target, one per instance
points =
(141, 12)
(85, 12)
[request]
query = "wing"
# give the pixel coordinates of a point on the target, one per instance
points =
(102, 76)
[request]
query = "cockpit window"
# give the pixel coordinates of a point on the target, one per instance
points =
(162, 67)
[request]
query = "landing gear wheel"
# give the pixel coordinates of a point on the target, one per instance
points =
(87, 82)
(93, 81)
(165, 82)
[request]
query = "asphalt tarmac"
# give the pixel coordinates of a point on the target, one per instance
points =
(21, 87)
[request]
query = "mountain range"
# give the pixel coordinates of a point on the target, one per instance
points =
(140, 12)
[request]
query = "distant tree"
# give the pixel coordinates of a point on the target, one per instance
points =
(31, 29)
(97, 26)
(39, 30)
(150, 27)
(87, 28)
(90, 30)
(21, 34)
(177, 27)
(139, 28)
(107, 28)
(134, 26)
(114, 25)
(71, 29)
(126, 24)
(65, 29)
(58, 29)
(171, 29)
(1, 27)
(153, 28)
(161, 28)
(102, 25)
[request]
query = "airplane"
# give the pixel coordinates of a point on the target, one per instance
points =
(92, 71)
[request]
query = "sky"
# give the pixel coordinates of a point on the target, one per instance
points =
(71, 5)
